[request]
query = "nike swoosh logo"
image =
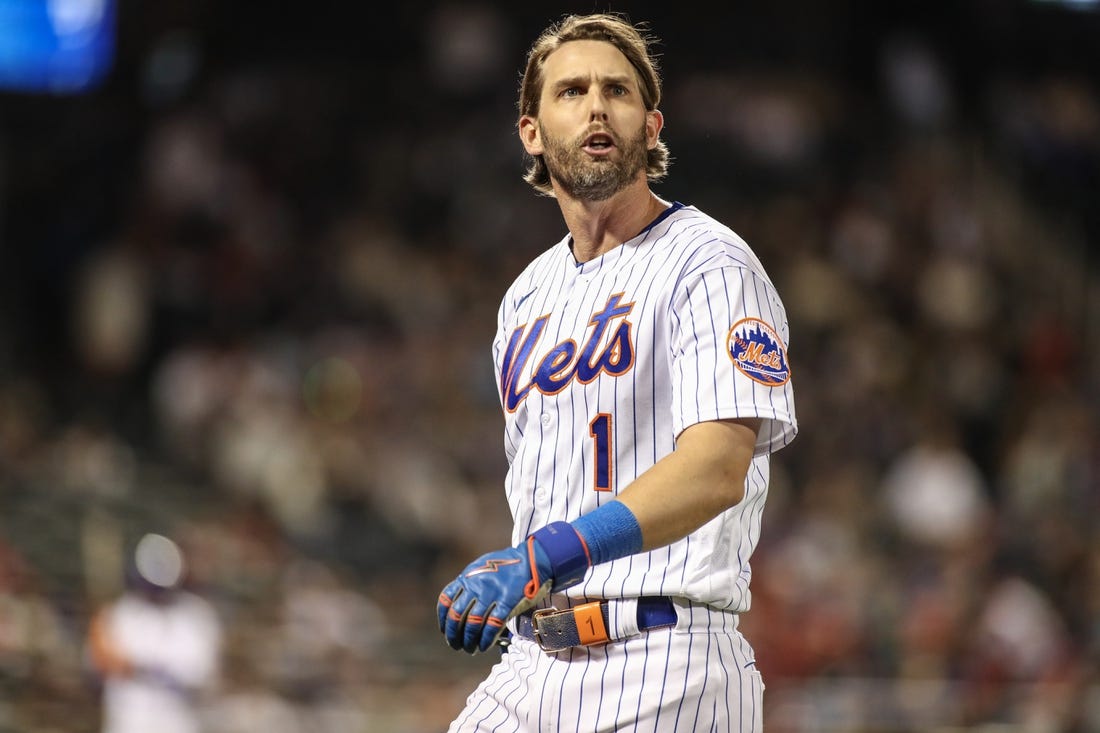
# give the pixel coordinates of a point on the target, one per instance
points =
(520, 301)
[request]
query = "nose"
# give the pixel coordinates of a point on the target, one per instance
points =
(597, 109)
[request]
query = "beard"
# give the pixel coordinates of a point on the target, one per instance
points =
(593, 179)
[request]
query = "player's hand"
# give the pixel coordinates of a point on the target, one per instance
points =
(474, 607)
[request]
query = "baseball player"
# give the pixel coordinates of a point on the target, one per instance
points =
(157, 647)
(644, 377)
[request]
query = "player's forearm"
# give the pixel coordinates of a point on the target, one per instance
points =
(703, 477)
(682, 492)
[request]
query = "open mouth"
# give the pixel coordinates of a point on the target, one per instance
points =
(598, 143)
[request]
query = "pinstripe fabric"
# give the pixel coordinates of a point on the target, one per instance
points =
(664, 681)
(638, 338)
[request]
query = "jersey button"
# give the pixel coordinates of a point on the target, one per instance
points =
(545, 418)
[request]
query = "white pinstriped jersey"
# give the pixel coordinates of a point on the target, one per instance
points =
(601, 365)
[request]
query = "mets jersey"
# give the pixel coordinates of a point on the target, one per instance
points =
(600, 365)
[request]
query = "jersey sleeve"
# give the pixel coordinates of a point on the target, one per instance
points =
(729, 354)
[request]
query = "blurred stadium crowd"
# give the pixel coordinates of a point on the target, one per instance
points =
(248, 295)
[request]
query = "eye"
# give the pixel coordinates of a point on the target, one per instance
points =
(571, 91)
(619, 90)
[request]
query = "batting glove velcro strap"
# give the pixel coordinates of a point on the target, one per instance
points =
(566, 552)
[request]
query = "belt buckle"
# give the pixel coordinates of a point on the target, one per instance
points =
(540, 613)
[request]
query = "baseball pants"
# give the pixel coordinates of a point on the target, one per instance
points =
(691, 678)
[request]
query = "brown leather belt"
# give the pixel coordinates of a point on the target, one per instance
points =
(555, 630)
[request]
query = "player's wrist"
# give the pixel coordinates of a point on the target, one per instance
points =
(561, 551)
(565, 551)
(609, 532)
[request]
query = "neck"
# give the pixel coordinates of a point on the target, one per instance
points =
(597, 227)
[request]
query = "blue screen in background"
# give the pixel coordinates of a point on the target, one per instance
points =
(55, 46)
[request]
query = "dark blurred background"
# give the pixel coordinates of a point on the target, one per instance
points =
(248, 283)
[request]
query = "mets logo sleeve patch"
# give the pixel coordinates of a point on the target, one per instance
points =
(758, 352)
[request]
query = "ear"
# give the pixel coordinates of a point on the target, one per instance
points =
(529, 135)
(654, 123)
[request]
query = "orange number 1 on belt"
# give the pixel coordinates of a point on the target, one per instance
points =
(590, 625)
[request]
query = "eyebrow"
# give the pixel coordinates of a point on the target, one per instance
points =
(573, 81)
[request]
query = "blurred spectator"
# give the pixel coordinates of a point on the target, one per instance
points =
(1020, 664)
(157, 648)
(935, 493)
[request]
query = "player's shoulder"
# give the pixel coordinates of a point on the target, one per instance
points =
(703, 239)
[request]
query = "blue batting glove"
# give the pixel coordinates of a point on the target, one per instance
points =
(475, 606)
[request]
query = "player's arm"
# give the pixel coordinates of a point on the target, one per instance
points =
(103, 651)
(702, 478)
